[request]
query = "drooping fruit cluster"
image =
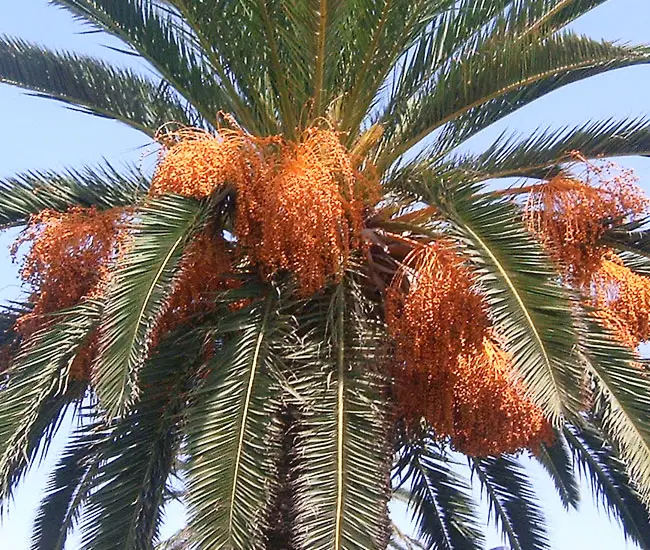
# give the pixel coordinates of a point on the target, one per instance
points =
(299, 206)
(67, 259)
(448, 367)
(492, 414)
(306, 218)
(195, 163)
(570, 215)
(434, 315)
(622, 300)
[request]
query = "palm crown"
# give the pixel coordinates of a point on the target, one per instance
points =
(315, 299)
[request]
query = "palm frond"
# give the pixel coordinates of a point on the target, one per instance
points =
(232, 434)
(67, 490)
(461, 29)
(90, 85)
(137, 295)
(398, 33)
(496, 81)
(456, 30)
(512, 503)
(438, 497)
(124, 508)
(622, 395)
(241, 41)
(342, 472)
(545, 151)
(161, 38)
(102, 187)
(632, 241)
(610, 484)
(557, 462)
(36, 391)
(545, 17)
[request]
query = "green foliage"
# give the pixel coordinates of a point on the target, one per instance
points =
(545, 152)
(556, 460)
(90, 85)
(342, 477)
(598, 462)
(622, 400)
(438, 497)
(281, 409)
(101, 187)
(512, 502)
(137, 295)
(124, 506)
(159, 37)
(67, 489)
(37, 392)
(232, 430)
(501, 76)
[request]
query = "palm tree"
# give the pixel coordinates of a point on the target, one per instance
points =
(315, 303)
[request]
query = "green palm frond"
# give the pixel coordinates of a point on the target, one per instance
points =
(342, 471)
(159, 36)
(438, 497)
(545, 17)
(610, 485)
(243, 43)
(456, 28)
(639, 263)
(233, 439)
(137, 295)
(512, 503)
(622, 395)
(37, 390)
(68, 488)
(461, 29)
(124, 508)
(529, 307)
(91, 85)
(102, 187)
(495, 81)
(557, 462)
(542, 154)
(367, 61)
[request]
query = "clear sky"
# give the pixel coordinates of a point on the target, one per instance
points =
(41, 134)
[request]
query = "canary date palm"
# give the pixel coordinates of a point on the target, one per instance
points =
(314, 303)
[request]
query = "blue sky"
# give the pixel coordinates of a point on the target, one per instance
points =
(41, 134)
